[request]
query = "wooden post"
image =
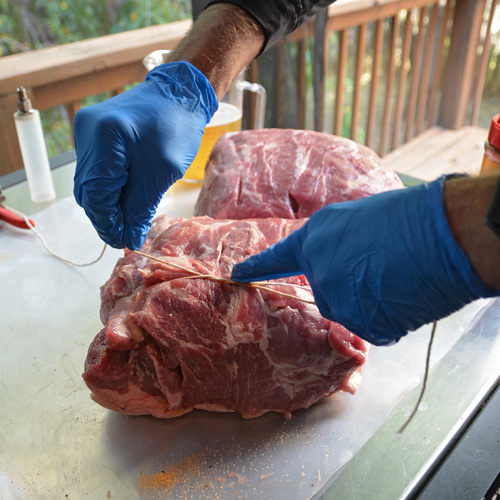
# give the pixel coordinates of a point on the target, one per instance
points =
(250, 100)
(277, 87)
(378, 47)
(391, 75)
(356, 101)
(10, 152)
(301, 83)
(459, 70)
(338, 123)
(485, 56)
(436, 77)
(319, 68)
(72, 108)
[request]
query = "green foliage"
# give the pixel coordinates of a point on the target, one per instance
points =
(32, 24)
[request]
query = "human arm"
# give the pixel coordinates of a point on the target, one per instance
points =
(223, 40)
(467, 200)
(387, 264)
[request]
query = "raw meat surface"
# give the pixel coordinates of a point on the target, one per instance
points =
(287, 173)
(171, 344)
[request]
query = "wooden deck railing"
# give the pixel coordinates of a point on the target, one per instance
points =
(379, 71)
(415, 64)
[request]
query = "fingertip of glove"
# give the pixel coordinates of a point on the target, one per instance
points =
(369, 334)
(242, 272)
(377, 340)
(134, 238)
(76, 193)
(112, 238)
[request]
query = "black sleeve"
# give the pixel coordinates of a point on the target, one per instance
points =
(279, 17)
(493, 214)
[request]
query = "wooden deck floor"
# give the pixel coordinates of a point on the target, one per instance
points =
(440, 151)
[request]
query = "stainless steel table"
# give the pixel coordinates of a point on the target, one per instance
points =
(57, 443)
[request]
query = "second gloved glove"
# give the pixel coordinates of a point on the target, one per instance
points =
(380, 266)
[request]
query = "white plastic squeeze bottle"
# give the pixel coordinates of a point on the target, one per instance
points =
(33, 149)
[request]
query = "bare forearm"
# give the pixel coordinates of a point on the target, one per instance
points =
(222, 41)
(466, 201)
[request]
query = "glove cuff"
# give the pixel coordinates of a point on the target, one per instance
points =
(193, 82)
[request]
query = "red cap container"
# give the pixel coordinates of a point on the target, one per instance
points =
(491, 157)
(494, 135)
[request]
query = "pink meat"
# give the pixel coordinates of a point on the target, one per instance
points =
(171, 344)
(288, 173)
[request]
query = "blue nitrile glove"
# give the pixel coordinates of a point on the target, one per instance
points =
(380, 266)
(131, 148)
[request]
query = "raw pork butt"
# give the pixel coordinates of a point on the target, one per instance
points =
(171, 344)
(287, 173)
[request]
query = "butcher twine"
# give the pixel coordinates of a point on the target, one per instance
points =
(424, 383)
(197, 275)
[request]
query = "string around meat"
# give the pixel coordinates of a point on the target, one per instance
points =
(265, 286)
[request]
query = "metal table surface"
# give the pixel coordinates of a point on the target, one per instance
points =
(57, 443)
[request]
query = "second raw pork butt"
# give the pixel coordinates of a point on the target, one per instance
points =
(288, 173)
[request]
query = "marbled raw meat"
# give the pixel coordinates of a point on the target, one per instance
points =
(288, 173)
(171, 344)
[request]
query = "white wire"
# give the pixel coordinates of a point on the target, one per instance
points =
(40, 237)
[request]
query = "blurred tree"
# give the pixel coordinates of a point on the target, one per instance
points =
(33, 24)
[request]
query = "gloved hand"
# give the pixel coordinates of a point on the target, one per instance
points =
(131, 148)
(380, 266)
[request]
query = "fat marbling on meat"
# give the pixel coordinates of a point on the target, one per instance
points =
(171, 344)
(288, 173)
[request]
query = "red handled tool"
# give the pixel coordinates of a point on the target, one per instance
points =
(10, 217)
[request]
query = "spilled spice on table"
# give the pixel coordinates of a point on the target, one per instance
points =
(193, 474)
(172, 476)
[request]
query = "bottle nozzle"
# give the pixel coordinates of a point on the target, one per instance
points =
(23, 101)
